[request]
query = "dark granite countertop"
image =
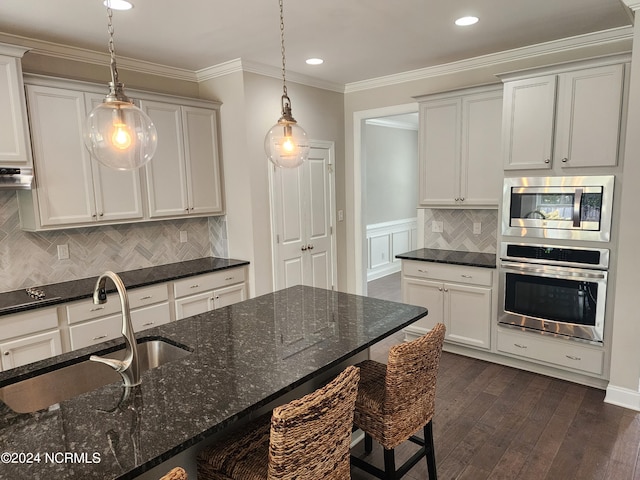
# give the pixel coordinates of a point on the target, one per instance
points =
(243, 357)
(452, 257)
(56, 293)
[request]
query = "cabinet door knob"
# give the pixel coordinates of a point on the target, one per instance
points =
(439, 289)
(303, 248)
(7, 353)
(102, 214)
(457, 199)
(94, 216)
(310, 246)
(548, 160)
(446, 289)
(565, 160)
(462, 199)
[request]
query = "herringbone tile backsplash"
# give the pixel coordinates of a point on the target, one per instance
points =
(458, 230)
(30, 259)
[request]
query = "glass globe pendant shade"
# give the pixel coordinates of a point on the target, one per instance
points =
(120, 135)
(286, 144)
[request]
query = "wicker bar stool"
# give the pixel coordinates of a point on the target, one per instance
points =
(177, 473)
(306, 439)
(397, 399)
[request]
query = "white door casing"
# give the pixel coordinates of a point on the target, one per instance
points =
(303, 216)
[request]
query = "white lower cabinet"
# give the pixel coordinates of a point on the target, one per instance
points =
(91, 324)
(39, 334)
(28, 337)
(459, 297)
(556, 352)
(202, 293)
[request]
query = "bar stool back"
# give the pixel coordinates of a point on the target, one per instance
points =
(306, 439)
(397, 399)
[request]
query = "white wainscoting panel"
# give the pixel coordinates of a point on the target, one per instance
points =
(385, 241)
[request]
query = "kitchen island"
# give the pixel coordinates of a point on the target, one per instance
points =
(242, 358)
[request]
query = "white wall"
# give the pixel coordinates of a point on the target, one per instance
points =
(391, 163)
(250, 107)
(625, 352)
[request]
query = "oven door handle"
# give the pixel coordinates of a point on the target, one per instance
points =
(577, 207)
(520, 268)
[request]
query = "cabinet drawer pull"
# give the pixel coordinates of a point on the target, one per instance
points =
(99, 337)
(96, 309)
(194, 286)
(520, 346)
(571, 357)
(466, 276)
(423, 271)
(147, 297)
(147, 324)
(228, 278)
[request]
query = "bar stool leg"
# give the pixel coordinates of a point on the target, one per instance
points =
(389, 464)
(430, 451)
(368, 443)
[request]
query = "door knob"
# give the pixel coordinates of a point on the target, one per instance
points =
(310, 246)
(303, 248)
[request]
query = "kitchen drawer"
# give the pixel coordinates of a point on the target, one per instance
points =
(141, 297)
(559, 352)
(96, 331)
(138, 297)
(26, 323)
(87, 310)
(448, 273)
(151, 316)
(208, 282)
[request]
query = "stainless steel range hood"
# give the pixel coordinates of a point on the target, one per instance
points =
(16, 178)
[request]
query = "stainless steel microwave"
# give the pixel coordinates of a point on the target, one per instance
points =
(575, 208)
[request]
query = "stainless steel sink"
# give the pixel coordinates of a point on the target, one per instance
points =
(53, 387)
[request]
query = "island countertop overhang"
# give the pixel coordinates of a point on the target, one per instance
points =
(244, 356)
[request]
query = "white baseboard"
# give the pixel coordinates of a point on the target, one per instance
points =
(623, 397)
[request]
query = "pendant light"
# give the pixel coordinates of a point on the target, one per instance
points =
(286, 144)
(117, 133)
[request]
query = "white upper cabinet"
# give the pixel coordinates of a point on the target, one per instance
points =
(183, 178)
(71, 187)
(529, 107)
(567, 118)
(14, 132)
(460, 150)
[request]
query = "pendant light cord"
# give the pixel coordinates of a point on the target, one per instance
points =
(112, 49)
(284, 80)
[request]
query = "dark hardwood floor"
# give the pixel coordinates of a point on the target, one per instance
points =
(496, 422)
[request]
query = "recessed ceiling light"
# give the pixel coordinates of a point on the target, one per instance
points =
(466, 21)
(315, 61)
(118, 4)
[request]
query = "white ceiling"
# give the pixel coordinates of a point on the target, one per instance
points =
(358, 39)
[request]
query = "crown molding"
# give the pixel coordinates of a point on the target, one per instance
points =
(632, 4)
(66, 52)
(557, 46)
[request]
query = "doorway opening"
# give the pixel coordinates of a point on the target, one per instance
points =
(389, 168)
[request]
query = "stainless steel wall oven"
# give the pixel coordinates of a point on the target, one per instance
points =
(575, 208)
(554, 289)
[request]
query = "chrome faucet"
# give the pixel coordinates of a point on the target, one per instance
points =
(128, 367)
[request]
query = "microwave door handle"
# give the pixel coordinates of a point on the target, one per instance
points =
(577, 207)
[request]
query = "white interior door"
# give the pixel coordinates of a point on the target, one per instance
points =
(303, 218)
